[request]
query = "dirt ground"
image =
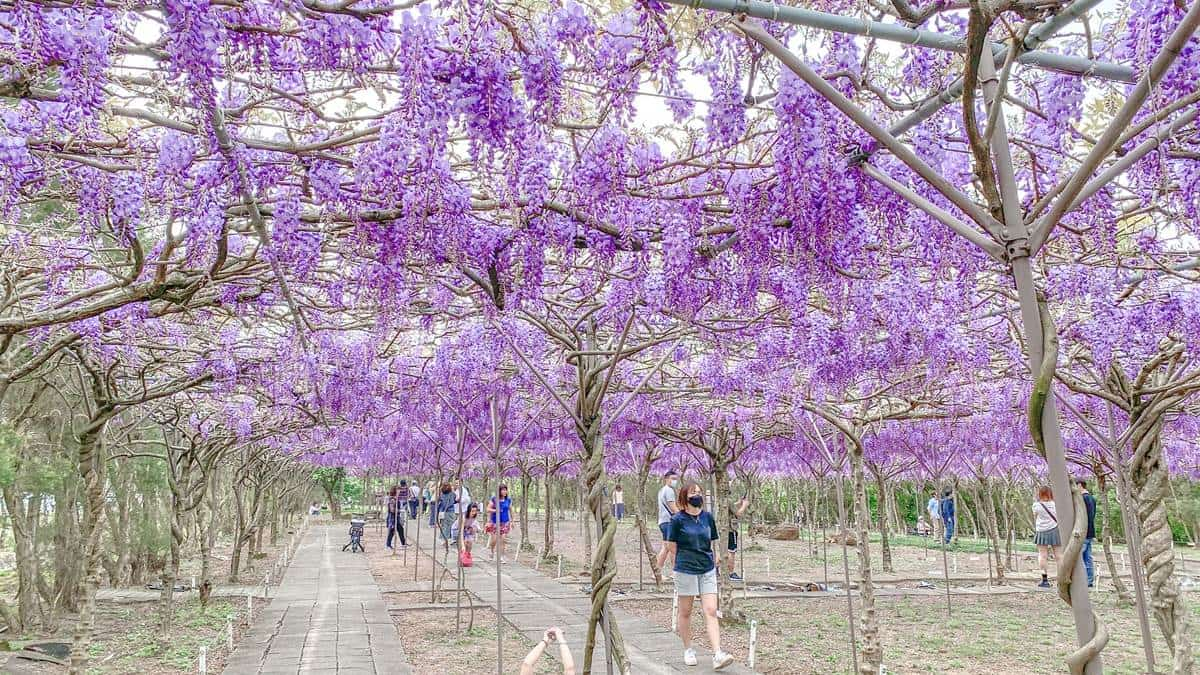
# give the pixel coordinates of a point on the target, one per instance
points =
(1011, 634)
(434, 648)
(128, 638)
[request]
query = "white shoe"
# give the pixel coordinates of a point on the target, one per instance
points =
(721, 659)
(689, 657)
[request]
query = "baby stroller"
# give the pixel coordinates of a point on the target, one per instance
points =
(356, 534)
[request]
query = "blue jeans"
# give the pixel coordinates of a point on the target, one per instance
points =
(1088, 563)
(949, 529)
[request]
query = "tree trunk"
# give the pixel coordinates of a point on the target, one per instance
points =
(604, 562)
(639, 507)
(206, 518)
(720, 507)
(171, 570)
(548, 533)
(1148, 471)
(872, 647)
(91, 470)
(988, 513)
(884, 544)
(26, 561)
(1106, 539)
(585, 523)
(526, 482)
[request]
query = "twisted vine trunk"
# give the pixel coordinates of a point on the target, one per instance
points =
(639, 505)
(1110, 559)
(993, 531)
(720, 506)
(884, 544)
(872, 649)
(26, 560)
(1148, 472)
(604, 560)
(91, 470)
(526, 482)
(548, 532)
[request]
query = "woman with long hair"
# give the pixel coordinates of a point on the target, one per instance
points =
(690, 537)
(499, 522)
(1045, 528)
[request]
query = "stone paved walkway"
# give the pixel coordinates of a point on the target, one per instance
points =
(327, 616)
(534, 602)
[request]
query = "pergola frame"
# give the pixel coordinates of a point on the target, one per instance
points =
(1019, 236)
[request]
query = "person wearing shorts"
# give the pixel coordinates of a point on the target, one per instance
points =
(666, 509)
(736, 511)
(498, 534)
(690, 536)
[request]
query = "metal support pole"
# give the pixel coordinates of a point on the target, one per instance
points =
(1017, 239)
(896, 32)
(1133, 543)
(842, 526)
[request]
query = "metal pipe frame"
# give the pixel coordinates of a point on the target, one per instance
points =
(896, 32)
(1022, 274)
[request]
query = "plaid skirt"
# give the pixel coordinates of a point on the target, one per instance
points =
(1046, 538)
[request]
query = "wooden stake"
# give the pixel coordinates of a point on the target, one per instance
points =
(753, 643)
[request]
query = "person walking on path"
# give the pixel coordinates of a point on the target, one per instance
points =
(499, 531)
(468, 530)
(414, 499)
(427, 499)
(443, 512)
(736, 511)
(946, 511)
(666, 509)
(553, 635)
(395, 516)
(1089, 502)
(1045, 526)
(402, 496)
(618, 500)
(690, 536)
(934, 509)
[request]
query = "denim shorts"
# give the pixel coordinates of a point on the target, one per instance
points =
(696, 584)
(662, 527)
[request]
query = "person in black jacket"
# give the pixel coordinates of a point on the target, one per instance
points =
(1090, 503)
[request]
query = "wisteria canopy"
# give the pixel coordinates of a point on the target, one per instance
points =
(461, 237)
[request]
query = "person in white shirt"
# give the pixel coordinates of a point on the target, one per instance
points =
(1045, 529)
(666, 510)
(462, 501)
(462, 497)
(618, 501)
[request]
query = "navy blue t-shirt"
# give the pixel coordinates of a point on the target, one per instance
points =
(693, 537)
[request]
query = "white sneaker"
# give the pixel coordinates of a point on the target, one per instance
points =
(689, 657)
(721, 659)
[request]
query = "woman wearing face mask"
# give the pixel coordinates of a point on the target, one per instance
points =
(690, 537)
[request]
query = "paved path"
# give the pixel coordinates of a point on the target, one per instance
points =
(534, 602)
(326, 617)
